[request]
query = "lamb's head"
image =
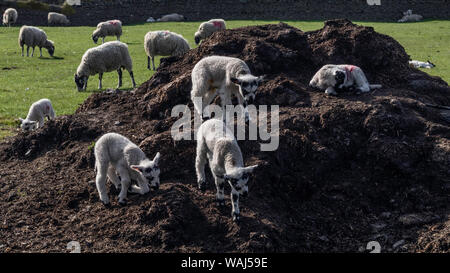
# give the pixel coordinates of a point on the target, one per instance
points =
(95, 35)
(81, 82)
(340, 77)
(247, 86)
(27, 125)
(197, 37)
(238, 179)
(149, 171)
(50, 46)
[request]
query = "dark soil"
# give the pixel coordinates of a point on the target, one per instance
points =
(349, 169)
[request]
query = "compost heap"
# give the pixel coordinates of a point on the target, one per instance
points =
(349, 169)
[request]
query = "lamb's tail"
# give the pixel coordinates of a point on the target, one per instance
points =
(375, 86)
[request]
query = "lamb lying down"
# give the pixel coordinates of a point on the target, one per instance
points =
(331, 77)
(116, 154)
(36, 115)
(419, 64)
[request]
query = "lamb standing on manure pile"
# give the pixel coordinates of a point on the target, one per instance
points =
(164, 43)
(10, 17)
(173, 17)
(104, 58)
(226, 76)
(116, 153)
(206, 29)
(108, 28)
(55, 18)
(331, 77)
(217, 144)
(36, 115)
(32, 37)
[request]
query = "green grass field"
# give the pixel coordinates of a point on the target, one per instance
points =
(24, 80)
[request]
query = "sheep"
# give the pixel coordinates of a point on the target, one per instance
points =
(116, 154)
(10, 16)
(104, 58)
(217, 144)
(206, 29)
(32, 37)
(225, 76)
(408, 16)
(36, 115)
(164, 43)
(419, 64)
(332, 76)
(108, 28)
(55, 18)
(173, 17)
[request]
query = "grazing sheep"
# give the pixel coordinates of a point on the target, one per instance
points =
(206, 29)
(419, 64)
(108, 28)
(332, 76)
(173, 17)
(32, 37)
(10, 17)
(225, 76)
(408, 16)
(55, 18)
(104, 58)
(164, 43)
(36, 115)
(217, 144)
(116, 154)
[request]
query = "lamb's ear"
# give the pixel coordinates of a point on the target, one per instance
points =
(156, 158)
(235, 80)
(137, 168)
(250, 169)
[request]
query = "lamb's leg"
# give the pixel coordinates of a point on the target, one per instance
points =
(200, 88)
(200, 161)
(119, 71)
(153, 63)
(100, 77)
(362, 84)
(22, 50)
(103, 40)
(241, 101)
(28, 51)
(125, 181)
(148, 62)
(330, 91)
(100, 181)
(32, 52)
(225, 99)
(113, 177)
(207, 99)
(220, 185)
(235, 204)
(40, 52)
(132, 78)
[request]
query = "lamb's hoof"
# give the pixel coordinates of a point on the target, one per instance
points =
(106, 204)
(236, 218)
(202, 186)
(123, 203)
(220, 202)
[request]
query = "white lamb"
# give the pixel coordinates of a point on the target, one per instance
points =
(116, 154)
(206, 29)
(408, 16)
(32, 37)
(216, 143)
(225, 76)
(104, 58)
(55, 18)
(164, 43)
(108, 28)
(36, 115)
(173, 17)
(10, 17)
(419, 64)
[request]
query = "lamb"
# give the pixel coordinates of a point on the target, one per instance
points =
(408, 16)
(164, 43)
(36, 115)
(225, 76)
(32, 37)
(419, 64)
(10, 17)
(331, 76)
(108, 28)
(55, 18)
(116, 154)
(173, 17)
(104, 58)
(206, 29)
(217, 144)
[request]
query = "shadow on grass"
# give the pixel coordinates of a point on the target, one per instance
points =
(51, 58)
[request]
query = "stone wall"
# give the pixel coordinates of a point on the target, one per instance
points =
(136, 11)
